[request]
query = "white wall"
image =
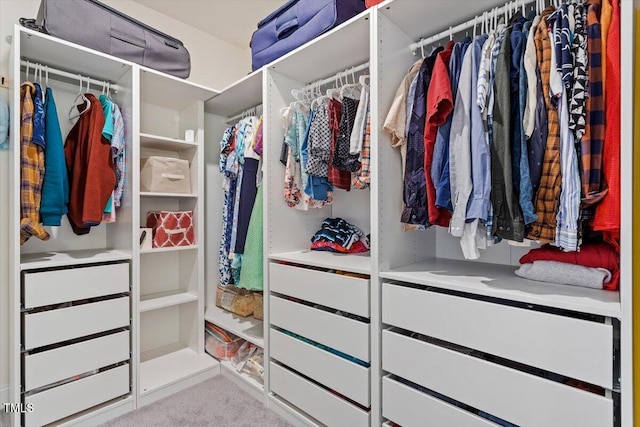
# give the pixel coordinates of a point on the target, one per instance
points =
(214, 63)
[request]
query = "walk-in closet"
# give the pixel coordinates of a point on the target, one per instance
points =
(423, 216)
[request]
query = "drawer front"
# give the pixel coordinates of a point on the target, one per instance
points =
(322, 405)
(537, 339)
(335, 372)
(49, 327)
(61, 363)
(409, 407)
(54, 287)
(68, 399)
(332, 290)
(512, 395)
(340, 333)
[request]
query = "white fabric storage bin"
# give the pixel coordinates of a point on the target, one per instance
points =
(165, 175)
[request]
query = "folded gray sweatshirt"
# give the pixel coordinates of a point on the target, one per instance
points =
(565, 274)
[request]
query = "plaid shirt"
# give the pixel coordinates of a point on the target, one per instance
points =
(32, 170)
(362, 179)
(546, 199)
(592, 142)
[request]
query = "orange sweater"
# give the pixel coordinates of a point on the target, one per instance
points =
(90, 167)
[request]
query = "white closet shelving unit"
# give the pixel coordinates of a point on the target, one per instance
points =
(67, 368)
(312, 382)
(490, 340)
(222, 111)
(420, 283)
(171, 304)
(147, 306)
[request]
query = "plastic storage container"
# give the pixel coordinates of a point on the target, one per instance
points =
(221, 344)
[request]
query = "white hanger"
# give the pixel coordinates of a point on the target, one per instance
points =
(80, 96)
(350, 87)
(334, 92)
(362, 79)
(422, 48)
(26, 71)
(450, 33)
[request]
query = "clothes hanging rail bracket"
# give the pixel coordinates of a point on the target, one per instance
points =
(254, 111)
(99, 84)
(341, 74)
(513, 5)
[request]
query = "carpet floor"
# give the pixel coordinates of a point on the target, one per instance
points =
(217, 402)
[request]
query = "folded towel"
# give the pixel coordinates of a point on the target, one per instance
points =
(565, 274)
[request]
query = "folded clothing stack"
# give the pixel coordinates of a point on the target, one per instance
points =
(597, 265)
(337, 235)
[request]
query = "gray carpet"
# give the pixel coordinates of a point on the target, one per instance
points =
(217, 402)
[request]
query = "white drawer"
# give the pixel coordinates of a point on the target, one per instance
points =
(551, 342)
(409, 407)
(345, 377)
(331, 290)
(321, 404)
(512, 395)
(68, 399)
(73, 284)
(340, 333)
(61, 363)
(49, 327)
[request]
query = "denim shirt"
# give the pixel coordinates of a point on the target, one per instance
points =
(440, 173)
(526, 189)
(415, 185)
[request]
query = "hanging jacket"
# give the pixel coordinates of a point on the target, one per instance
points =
(55, 188)
(90, 168)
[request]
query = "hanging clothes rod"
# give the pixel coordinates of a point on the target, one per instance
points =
(513, 5)
(70, 76)
(341, 74)
(255, 111)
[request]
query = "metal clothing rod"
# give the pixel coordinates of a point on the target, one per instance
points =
(71, 76)
(510, 6)
(341, 74)
(250, 112)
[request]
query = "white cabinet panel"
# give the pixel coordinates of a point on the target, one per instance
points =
(409, 407)
(324, 406)
(76, 396)
(337, 291)
(65, 362)
(73, 284)
(335, 372)
(512, 395)
(49, 327)
(340, 333)
(573, 347)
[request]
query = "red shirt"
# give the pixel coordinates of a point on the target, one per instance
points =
(439, 106)
(90, 167)
(607, 217)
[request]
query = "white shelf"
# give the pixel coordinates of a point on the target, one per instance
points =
(247, 382)
(169, 249)
(176, 195)
(171, 367)
(355, 263)
(67, 56)
(317, 59)
(168, 91)
(165, 299)
(65, 259)
(246, 328)
(426, 18)
(500, 281)
(241, 95)
(164, 143)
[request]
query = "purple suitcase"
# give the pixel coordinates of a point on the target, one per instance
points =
(295, 23)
